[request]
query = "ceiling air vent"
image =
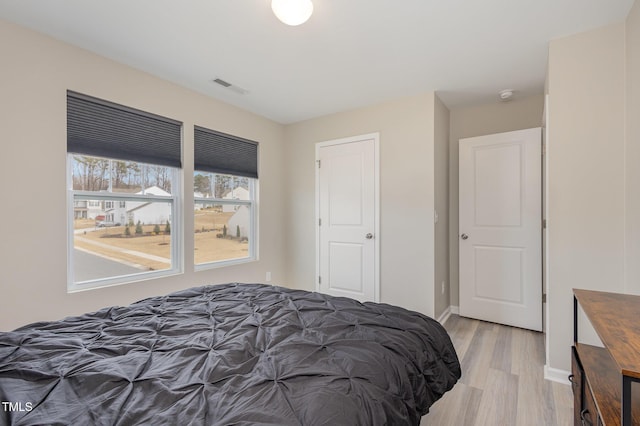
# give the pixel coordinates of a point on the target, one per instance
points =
(221, 82)
(229, 86)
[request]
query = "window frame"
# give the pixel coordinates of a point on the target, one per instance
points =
(176, 202)
(252, 203)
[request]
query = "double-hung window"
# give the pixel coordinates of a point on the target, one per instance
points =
(124, 204)
(225, 186)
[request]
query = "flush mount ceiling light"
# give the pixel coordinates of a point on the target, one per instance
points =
(292, 12)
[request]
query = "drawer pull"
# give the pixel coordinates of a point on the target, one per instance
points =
(574, 382)
(583, 416)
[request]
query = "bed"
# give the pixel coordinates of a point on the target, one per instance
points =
(231, 354)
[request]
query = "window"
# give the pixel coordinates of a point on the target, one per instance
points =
(124, 169)
(225, 184)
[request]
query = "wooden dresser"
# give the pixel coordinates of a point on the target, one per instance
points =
(606, 381)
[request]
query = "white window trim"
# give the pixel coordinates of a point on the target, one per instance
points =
(253, 235)
(177, 231)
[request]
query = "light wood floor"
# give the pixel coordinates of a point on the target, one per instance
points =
(502, 380)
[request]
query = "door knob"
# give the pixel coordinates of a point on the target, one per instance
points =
(369, 236)
(464, 236)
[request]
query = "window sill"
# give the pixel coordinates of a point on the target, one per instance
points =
(117, 281)
(223, 263)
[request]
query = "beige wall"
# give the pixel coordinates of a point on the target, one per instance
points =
(478, 121)
(586, 159)
(406, 128)
(441, 180)
(632, 151)
(594, 200)
(36, 72)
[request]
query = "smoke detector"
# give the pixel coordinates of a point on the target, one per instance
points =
(505, 95)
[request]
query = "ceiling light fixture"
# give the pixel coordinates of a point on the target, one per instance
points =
(292, 12)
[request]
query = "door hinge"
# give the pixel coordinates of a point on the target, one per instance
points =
(319, 279)
(544, 223)
(320, 222)
(318, 161)
(544, 149)
(544, 297)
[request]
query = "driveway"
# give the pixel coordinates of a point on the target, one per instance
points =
(90, 267)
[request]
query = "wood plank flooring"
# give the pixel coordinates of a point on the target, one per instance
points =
(502, 380)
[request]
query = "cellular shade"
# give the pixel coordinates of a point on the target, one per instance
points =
(218, 152)
(103, 129)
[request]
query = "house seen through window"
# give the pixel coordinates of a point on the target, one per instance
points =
(122, 218)
(224, 184)
(123, 169)
(223, 217)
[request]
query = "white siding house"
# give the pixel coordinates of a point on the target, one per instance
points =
(94, 209)
(240, 220)
(149, 213)
(88, 209)
(238, 193)
(122, 212)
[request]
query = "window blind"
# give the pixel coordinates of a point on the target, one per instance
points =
(218, 152)
(104, 129)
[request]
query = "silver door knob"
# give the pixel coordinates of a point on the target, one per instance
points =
(369, 236)
(464, 236)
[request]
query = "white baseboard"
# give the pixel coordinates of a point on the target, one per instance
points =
(445, 316)
(556, 375)
(451, 310)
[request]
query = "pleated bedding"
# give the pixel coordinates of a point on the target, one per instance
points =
(232, 354)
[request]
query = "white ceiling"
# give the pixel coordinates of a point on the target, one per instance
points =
(351, 53)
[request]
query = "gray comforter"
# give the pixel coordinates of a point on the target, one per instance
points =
(233, 354)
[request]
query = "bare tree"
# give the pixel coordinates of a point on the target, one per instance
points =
(92, 173)
(98, 174)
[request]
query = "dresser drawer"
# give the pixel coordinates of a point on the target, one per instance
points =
(577, 383)
(589, 413)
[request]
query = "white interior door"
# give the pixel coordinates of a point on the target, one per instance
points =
(501, 228)
(347, 213)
